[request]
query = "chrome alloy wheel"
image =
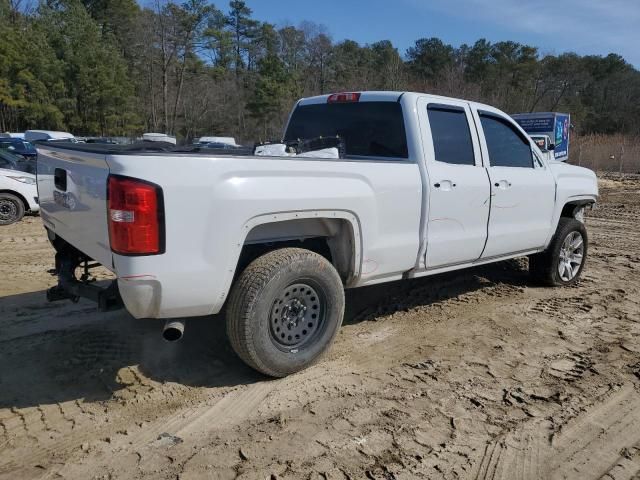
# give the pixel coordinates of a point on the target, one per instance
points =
(571, 256)
(296, 317)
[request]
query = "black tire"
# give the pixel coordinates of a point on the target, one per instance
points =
(545, 267)
(273, 300)
(11, 209)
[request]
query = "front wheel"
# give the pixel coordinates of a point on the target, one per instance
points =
(563, 262)
(285, 310)
(11, 209)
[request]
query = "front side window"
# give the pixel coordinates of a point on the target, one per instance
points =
(507, 147)
(451, 135)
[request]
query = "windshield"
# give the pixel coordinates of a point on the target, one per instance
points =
(369, 129)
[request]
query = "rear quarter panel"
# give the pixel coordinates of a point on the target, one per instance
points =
(211, 204)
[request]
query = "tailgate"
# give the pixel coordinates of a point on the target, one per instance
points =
(72, 186)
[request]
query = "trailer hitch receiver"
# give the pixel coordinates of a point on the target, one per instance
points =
(69, 287)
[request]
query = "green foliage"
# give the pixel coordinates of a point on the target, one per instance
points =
(243, 29)
(270, 90)
(30, 77)
(111, 67)
(218, 41)
(429, 57)
(97, 88)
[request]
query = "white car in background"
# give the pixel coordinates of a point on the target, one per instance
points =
(18, 191)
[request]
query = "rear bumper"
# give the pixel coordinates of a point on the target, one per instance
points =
(141, 296)
(145, 296)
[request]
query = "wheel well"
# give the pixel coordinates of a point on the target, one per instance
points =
(22, 199)
(330, 237)
(570, 208)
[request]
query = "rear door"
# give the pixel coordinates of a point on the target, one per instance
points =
(72, 187)
(458, 188)
(522, 188)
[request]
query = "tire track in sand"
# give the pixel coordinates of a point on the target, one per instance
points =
(601, 443)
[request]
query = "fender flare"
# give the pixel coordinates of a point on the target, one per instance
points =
(579, 200)
(276, 217)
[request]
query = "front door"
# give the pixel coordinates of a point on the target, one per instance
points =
(458, 186)
(522, 189)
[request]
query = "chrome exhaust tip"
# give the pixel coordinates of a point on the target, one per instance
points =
(173, 330)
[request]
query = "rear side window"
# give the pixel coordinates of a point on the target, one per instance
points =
(369, 129)
(507, 147)
(451, 135)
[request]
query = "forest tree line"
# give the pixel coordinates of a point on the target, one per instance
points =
(114, 68)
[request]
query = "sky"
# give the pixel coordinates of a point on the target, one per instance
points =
(586, 27)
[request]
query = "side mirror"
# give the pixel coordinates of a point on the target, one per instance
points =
(551, 147)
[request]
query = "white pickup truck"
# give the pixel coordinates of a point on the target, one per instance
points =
(426, 185)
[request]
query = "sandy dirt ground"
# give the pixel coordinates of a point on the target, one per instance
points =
(476, 375)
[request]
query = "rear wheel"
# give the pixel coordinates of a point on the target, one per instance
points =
(563, 262)
(11, 209)
(285, 310)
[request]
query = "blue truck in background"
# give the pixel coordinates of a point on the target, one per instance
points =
(550, 131)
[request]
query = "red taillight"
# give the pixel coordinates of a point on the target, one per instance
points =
(135, 212)
(344, 97)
